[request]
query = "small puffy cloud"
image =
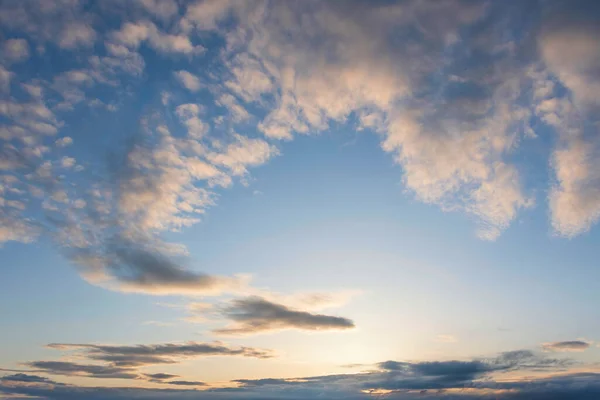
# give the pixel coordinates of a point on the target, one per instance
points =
(15, 50)
(242, 153)
(67, 162)
(189, 116)
(132, 35)
(77, 34)
(64, 142)
(163, 9)
(35, 91)
(204, 15)
(238, 113)
(14, 228)
(255, 315)
(188, 80)
(566, 346)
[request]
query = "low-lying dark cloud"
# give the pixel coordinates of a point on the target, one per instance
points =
(573, 386)
(164, 353)
(87, 370)
(123, 362)
(186, 383)
(20, 377)
(161, 376)
(255, 314)
(405, 376)
(165, 378)
(570, 345)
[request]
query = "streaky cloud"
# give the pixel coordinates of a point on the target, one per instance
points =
(255, 314)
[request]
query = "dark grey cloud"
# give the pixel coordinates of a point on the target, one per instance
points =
(142, 268)
(75, 369)
(161, 376)
(569, 345)
(20, 377)
(255, 314)
(580, 386)
(123, 362)
(186, 383)
(164, 353)
(166, 379)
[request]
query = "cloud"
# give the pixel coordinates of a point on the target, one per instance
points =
(123, 362)
(132, 35)
(163, 9)
(186, 383)
(161, 376)
(20, 377)
(188, 80)
(188, 114)
(77, 34)
(452, 142)
(255, 315)
(87, 370)
(64, 141)
(15, 50)
(130, 267)
(570, 345)
(569, 51)
(403, 376)
(449, 91)
(126, 357)
(204, 15)
(238, 113)
(453, 379)
(166, 379)
(243, 152)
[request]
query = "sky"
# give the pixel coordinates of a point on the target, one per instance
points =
(224, 199)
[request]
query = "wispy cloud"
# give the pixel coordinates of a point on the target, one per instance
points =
(570, 345)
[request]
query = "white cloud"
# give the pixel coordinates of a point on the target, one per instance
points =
(16, 229)
(204, 15)
(188, 114)
(188, 80)
(133, 34)
(34, 91)
(575, 200)
(242, 153)
(452, 147)
(67, 162)
(15, 50)
(238, 113)
(5, 78)
(164, 9)
(64, 141)
(77, 34)
(569, 49)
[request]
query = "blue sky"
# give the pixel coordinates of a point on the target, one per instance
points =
(270, 199)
